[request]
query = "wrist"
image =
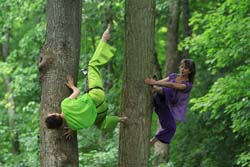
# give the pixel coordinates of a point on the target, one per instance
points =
(103, 39)
(74, 88)
(154, 82)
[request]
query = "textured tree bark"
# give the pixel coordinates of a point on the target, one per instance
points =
(11, 107)
(58, 57)
(173, 57)
(136, 96)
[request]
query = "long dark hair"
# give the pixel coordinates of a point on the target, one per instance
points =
(53, 122)
(191, 66)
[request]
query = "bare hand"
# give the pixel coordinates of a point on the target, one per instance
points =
(68, 134)
(106, 34)
(149, 81)
(70, 82)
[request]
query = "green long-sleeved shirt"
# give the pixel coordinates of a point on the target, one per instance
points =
(82, 112)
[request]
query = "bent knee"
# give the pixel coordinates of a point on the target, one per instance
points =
(97, 95)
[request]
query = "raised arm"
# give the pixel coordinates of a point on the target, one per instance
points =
(151, 81)
(70, 84)
(106, 34)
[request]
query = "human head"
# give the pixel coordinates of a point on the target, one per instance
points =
(188, 63)
(53, 121)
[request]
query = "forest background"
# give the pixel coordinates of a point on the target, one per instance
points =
(217, 131)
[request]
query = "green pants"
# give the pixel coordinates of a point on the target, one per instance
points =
(102, 55)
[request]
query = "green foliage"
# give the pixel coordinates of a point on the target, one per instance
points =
(25, 21)
(217, 133)
(103, 150)
(224, 40)
(228, 103)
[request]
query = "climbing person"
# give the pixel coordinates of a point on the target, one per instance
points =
(90, 108)
(171, 98)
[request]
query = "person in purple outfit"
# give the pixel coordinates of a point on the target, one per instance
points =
(170, 99)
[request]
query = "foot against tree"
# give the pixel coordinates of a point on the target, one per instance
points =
(90, 108)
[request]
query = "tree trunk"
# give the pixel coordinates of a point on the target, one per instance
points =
(109, 14)
(187, 28)
(157, 67)
(173, 57)
(136, 96)
(58, 57)
(160, 149)
(11, 107)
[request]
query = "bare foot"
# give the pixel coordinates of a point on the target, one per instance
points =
(153, 140)
(123, 119)
(106, 34)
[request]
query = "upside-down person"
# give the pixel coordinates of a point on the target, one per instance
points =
(83, 111)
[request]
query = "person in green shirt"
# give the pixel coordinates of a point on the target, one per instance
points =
(90, 108)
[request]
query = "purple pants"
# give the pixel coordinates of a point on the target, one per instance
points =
(166, 119)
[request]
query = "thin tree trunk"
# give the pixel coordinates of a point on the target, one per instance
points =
(58, 57)
(11, 107)
(160, 149)
(173, 57)
(136, 96)
(157, 67)
(187, 28)
(108, 20)
(92, 38)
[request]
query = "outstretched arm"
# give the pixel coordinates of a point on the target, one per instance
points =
(106, 34)
(151, 81)
(70, 84)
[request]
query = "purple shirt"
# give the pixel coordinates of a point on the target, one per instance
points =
(177, 100)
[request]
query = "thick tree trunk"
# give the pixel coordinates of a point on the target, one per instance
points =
(173, 57)
(11, 107)
(59, 57)
(187, 28)
(136, 96)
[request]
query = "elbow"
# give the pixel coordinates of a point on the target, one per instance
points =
(77, 91)
(178, 86)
